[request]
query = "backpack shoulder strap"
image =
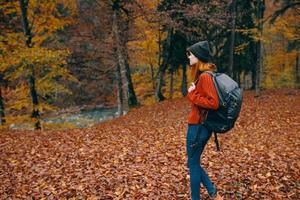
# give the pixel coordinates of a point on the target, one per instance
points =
(208, 72)
(213, 74)
(196, 81)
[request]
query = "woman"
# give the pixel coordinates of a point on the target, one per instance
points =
(203, 96)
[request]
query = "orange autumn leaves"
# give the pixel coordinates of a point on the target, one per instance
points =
(142, 155)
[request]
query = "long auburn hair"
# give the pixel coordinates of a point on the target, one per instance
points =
(199, 67)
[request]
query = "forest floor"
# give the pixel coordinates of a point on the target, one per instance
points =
(142, 155)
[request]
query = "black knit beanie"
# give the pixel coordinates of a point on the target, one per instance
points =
(200, 50)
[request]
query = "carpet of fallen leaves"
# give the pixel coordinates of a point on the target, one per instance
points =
(142, 155)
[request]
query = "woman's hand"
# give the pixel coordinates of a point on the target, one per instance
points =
(192, 87)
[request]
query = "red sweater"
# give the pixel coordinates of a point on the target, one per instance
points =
(202, 98)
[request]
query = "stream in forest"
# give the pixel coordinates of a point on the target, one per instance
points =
(81, 119)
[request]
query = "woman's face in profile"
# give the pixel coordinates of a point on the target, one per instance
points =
(193, 59)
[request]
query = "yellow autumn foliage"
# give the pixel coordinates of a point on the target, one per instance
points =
(280, 59)
(46, 58)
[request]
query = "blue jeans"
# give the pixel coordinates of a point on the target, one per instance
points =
(195, 145)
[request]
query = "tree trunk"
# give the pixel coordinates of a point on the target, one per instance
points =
(121, 60)
(259, 61)
(35, 112)
(31, 78)
(258, 70)
(132, 100)
(253, 78)
(2, 113)
(292, 45)
(159, 45)
(245, 81)
(152, 76)
(162, 68)
(238, 78)
(184, 81)
(158, 94)
(121, 35)
(232, 39)
(171, 84)
(119, 90)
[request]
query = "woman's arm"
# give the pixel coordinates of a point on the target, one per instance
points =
(210, 98)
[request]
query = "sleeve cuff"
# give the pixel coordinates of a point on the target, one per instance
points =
(189, 95)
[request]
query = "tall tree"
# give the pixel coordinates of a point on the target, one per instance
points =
(281, 39)
(232, 38)
(2, 26)
(145, 49)
(245, 41)
(184, 80)
(31, 77)
(132, 99)
(119, 91)
(292, 44)
(34, 73)
(259, 62)
(162, 68)
(121, 68)
(120, 31)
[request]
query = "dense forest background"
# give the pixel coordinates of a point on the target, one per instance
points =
(64, 54)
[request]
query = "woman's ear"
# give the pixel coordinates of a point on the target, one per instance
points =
(193, 59)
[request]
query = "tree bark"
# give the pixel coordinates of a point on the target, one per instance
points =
(238, 77)
(184, 81)
(259, 61)
(162, 68)
(121, 36)
(35, 112)
(152, 76)
(232, 39)
(132, 100)
(121, 60)
(119, 90)
(159, 44)
(253, 78)
(31, 78)
(2, 113)
(171, 84)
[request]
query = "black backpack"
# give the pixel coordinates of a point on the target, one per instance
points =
(230, 102)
